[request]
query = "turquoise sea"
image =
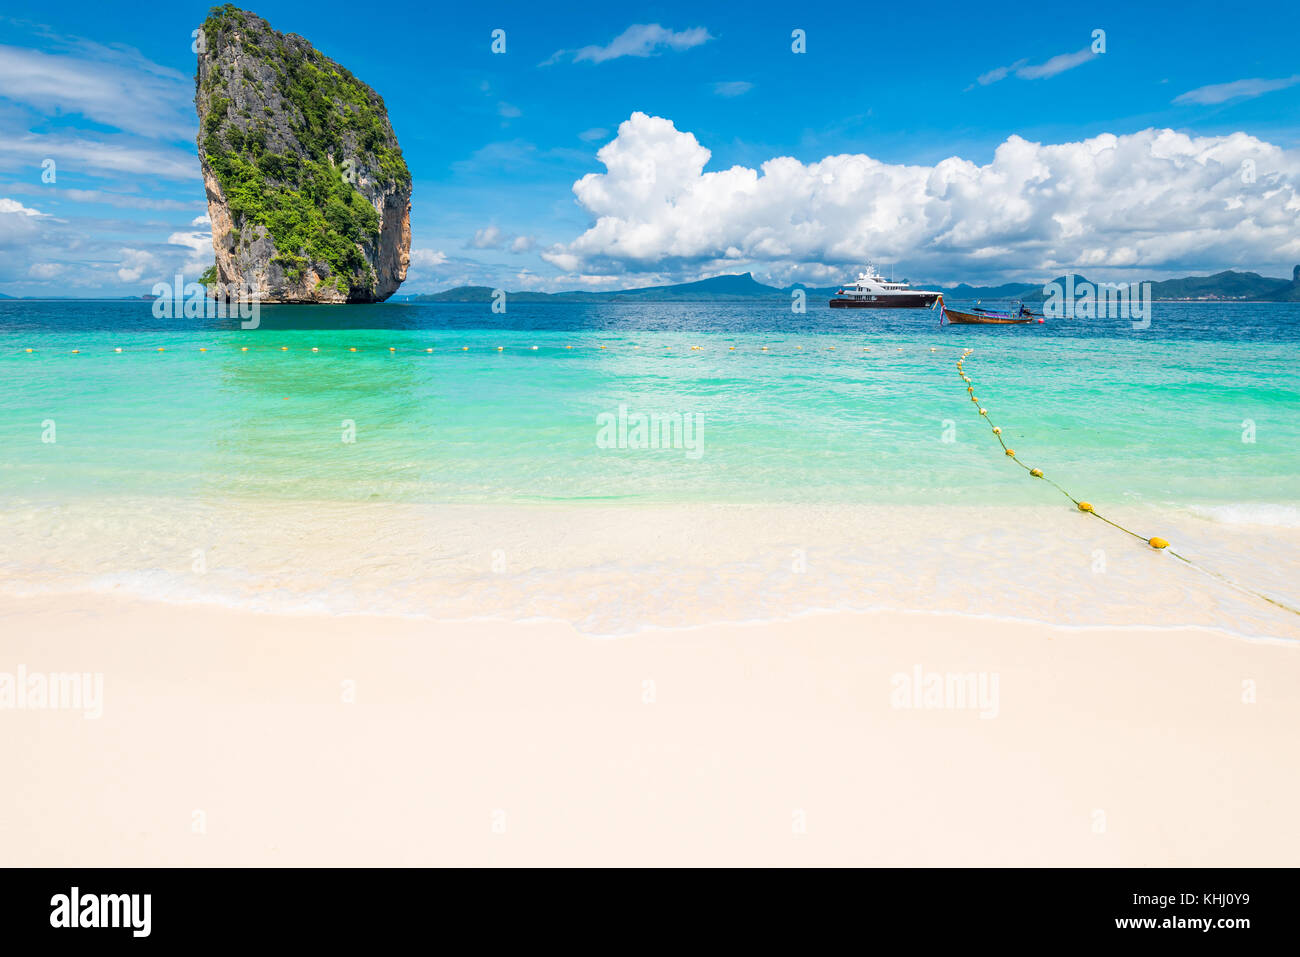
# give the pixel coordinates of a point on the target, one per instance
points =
(1201, 410)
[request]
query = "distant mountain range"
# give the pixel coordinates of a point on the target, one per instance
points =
(1227, 285)
(77, 298)
(718, 289)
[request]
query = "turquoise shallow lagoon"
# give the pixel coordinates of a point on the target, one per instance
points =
(834, 463)
(816, 408)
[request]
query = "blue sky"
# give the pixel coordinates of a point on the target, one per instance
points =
(716, 134)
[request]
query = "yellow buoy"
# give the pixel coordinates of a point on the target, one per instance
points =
(602, 347)
(500, 348)
(76, 352)
(1036, 473)
(731, 349)
(462, 349)
(997, 430)
(984, 411)
(203, 349)
(160, 349)
(314, 349)
(1157, 543)
(534, 348)
(970, 389)
(241, 349)
(1011, 452)
(352, 348)
(117, 349)
(428, 350)
(568, 347)
(392, 348)
(1085, 507)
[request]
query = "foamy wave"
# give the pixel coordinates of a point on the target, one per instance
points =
(1276, 516)
(667, 566)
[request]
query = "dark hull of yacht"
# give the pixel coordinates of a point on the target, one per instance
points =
(904, 300)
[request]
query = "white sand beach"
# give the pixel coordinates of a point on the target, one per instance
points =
(233, 737)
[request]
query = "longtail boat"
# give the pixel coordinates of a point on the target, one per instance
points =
(987, 317)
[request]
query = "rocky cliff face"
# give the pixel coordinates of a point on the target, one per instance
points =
(309, 196)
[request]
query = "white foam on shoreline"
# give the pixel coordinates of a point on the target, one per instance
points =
(621, 570)
(1274, 516)
(320, 608)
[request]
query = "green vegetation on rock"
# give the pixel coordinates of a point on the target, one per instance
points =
(280, 134)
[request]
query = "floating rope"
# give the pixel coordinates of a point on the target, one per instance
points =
(395, 350)
(1155, 542)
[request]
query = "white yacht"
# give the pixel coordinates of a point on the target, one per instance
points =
(874, 291)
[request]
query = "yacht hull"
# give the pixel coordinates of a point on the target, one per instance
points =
(907, 300)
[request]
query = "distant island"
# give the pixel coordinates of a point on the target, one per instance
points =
(78, 298)
(1227, 286)
(734, 288)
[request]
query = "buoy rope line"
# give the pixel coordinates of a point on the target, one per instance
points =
(430, 350)
(1157, 543)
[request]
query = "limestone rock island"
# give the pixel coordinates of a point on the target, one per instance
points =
(309, 196)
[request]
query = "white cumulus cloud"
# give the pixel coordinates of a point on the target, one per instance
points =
(135, 263)
(13, 206)
(198, 242)
(489, 237)
(19, 227)
(428, 258)
(1149, 200)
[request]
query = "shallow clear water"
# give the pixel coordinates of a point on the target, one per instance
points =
(843, 406)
